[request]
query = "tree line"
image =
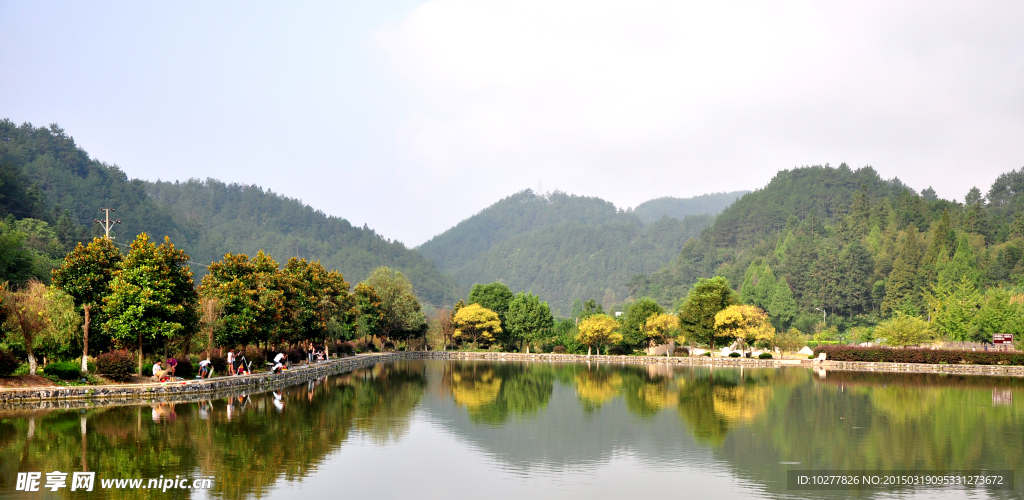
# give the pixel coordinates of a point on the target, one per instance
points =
(146, 301)
(862, 251)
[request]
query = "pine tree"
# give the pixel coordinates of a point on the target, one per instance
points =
(855, 280)
(901, 284)
(962, 265)
(765, 287)
(783, 307)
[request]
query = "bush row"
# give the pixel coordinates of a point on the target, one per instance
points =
(822, 343)
(919, 355)
(67, 370)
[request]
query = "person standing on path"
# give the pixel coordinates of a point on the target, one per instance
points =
(231, 362)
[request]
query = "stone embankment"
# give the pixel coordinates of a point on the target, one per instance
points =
(181, 391)
(954, 369)
(195, 390)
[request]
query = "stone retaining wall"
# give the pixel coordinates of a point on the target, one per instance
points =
(195, 390)
(958, 369)
(188, 390)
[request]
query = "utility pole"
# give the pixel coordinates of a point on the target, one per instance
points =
(106, 222)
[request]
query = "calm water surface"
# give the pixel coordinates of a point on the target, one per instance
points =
(450, 429)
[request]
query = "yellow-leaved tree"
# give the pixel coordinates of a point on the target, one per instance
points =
(599, 330)
(659, 328)
(745, 323)
(475, 322)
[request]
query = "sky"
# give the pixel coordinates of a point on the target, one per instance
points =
(410, 116)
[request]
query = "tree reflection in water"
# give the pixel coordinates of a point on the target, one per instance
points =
(753, 419)
(493, 392)
(245, 442)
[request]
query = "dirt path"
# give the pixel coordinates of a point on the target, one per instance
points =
(26, 381)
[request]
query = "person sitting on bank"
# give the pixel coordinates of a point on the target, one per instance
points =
(172, 364)
(159, 374)
(205, 369)
(279, 363)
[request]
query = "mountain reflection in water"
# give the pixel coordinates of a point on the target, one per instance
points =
(434, 429)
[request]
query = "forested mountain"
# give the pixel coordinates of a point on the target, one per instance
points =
(856, 245)
(45, 176)
(216, 216)
(559, 246)
(652, 210)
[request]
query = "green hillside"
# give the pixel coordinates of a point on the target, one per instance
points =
(851, 243)
(49, 175)
(559, 246)
(652, 210)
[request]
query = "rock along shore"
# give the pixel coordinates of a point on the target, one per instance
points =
(195, 390)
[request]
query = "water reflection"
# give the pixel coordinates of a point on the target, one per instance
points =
(493, 392)
(247, 442)
(542, 420)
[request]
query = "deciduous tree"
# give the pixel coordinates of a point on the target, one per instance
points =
(85, 276)
(403, 316)
(659, 328)
(475, 322)
(746, 323)
(152, 297)
(39, 318)
(527, 319)
(633, 321)
(903, 330)
(599, 330)
(705, 300)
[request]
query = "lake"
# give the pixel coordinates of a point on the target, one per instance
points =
(533, 430)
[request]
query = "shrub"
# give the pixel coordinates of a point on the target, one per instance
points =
(559, 349)
(362, 345)
(765, 355)
(8, 363)
(256, 356)
(708, 354)
(734, 354)
(917, 355)
(118, 366)
(346, 348)
(295, 354)
(185, 368)
(219, 360)
(616, 350)
(65, 370)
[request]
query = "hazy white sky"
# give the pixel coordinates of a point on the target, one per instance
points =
(411, 116)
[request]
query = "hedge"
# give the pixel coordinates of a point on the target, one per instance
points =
(919, 355)
(821, 343)
(67, 370)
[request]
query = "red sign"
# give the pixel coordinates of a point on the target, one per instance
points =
(1002, 338)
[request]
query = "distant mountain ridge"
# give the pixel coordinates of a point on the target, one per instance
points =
(652, 210)
(205, 218)
(562, 247)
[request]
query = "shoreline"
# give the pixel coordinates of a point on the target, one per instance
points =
(196, 390)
